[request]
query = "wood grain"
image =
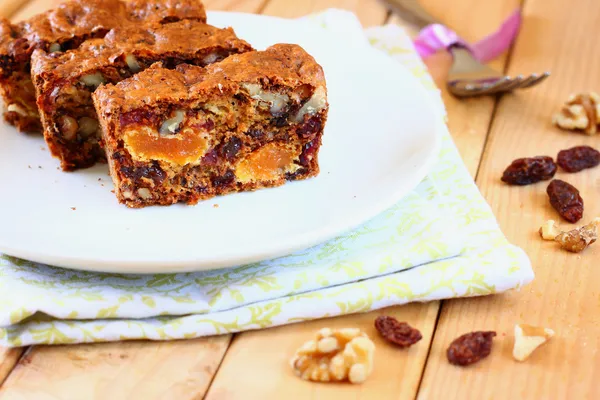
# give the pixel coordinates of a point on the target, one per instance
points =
(468, 119)
(369, 12)
(565, 295)
(8, 360)
(118, 371)
(249, 6)
(8, 7)
(268, 352)
(33, 7)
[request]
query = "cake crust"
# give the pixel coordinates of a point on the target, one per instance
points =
(64, 81)
(64, 28)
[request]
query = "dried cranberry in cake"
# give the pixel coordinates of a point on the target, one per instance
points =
(65, 82)
(65, 28)
(211, 129)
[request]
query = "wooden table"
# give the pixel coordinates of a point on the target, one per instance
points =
(490, 132)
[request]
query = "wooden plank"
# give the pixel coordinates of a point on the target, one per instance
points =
(468, 119)
(370, 12)
(133, 370)
(8, 360)
(268, 353)
(565, 293)
(34, 7)
(249, 6)
(8, 7)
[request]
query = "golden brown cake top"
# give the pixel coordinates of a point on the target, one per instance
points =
(183, 39)
(281, 65)
(80, 18)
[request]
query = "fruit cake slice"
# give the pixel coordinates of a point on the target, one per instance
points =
(254, 120)
(64, 81)
(64, 28)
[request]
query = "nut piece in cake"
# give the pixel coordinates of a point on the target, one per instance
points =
(334, 356)
(64, 81)
(581, 112)
(252, 121)
(528, 338)
(64, 28)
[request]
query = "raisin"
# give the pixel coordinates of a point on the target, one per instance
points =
(298, 174)
(399, 333)
(308, 152)
(210, 158)
(230, 149)
(310, 128)
(153, 172)
(578, 158)
(470, 348)
(256, 133)
(565, 199)
(525, 171)
(139, 117)
(224, 180)
(280, 119)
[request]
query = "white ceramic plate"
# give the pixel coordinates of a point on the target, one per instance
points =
(379, 142)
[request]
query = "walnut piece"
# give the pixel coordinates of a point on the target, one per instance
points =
(579, 239)
(549, 230)
(335, 355)
(580, 112)
(528, 338)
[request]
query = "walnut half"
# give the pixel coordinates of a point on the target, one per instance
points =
(579, 239)
(580, 112)
(334, 356)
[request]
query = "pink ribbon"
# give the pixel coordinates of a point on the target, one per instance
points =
(435, 37)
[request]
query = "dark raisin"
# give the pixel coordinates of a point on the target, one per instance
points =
(210, 158)
(578, 158)
(399, 333)
(308, 152)
(565, 199)
(280, 120)
(139, 117)
(525, 171)
(230, 149)
(153, 172)
(256, 133)
(224, 180)
(298, 174)
(470, 348)
(310, 128)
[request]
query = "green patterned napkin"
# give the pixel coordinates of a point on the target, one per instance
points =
(440, 241)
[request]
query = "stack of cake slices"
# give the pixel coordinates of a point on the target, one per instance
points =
(181, 110)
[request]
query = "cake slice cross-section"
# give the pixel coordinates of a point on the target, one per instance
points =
(66, 27)
(64, 81)
(252, 121)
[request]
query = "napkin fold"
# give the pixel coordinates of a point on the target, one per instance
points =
(440, 241)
